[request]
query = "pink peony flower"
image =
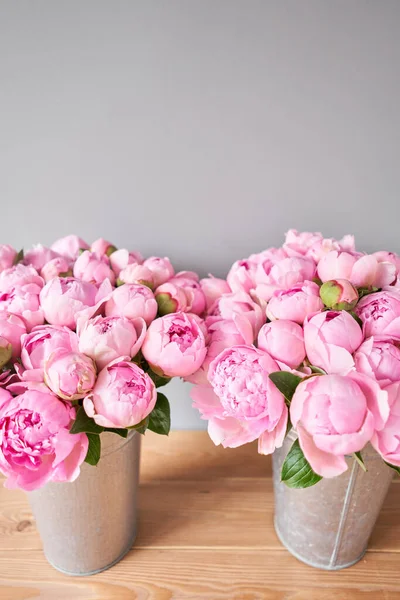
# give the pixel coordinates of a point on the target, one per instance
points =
(124, 395)
(20, 276)
(7, 256)
(161, 269)
(135, 273)
(101, 247)
(56, 267)
(170, 298)
(295, 304)
(122, 258)
(314, 245)
(35, 443)
(390, 257)
(195, 298)
(282, 275)
(213, 288)
(175, 345)
(242, 403)
(284, 341)
(223, 334)
(106, 338)
(69, 246)
(92, 268)
(380, 314)
(132, 300)
(329, 426)
(12, 328)
(70, 375)
(362, 271)
(62, 298)
(39, 256)
(238, 303)
(241, 277)
(42, 341)
(24, 302)
(330, 338)
(386, 441)
(379, 359)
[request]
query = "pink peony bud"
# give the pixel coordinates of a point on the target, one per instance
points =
(70, 246)
(170, 298)
(106, 338)
(161, 269)
(331, 338)
(93, 269)
(213, 288)
(284, 341)
(175, 345)
(42, 341)
(39, 256)
(296, 303)
(132, 300)
(57, 267)
(135, 273)
(122, 258)
(124, 395)
(330, 426)
(61, 300)
(12, 328)
(339, 294)
(379, 359)
(70, 375)
(195, 298)
(101, 247)
(7, 256)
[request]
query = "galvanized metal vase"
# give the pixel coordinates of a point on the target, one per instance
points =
(329, 524)
(88, 525)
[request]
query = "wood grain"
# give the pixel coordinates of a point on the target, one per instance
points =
(205, 532)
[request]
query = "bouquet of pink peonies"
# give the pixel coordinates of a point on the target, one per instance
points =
(305, 337)
(87, 334)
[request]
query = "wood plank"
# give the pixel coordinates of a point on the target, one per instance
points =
(219, 513)
(180, 575)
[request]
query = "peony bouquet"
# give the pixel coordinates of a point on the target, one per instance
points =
(305, 337)
(87, 335)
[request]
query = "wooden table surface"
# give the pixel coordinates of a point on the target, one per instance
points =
(205, 531)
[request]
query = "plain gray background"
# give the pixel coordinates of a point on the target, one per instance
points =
(201, 130)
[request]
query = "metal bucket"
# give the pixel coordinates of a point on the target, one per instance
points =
(329, 524)
(88, 525)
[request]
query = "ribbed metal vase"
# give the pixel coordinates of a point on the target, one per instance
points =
(329, 524)
(88, 525)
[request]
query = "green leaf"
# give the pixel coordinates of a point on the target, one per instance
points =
(5, 354)
(285, 382)
(360, 460)
(122, 432)
(84, 424)
(296, 470)
(160, 417)
(19, 257)
(94, 449)
(317, 370)
(365, 291)
(158, 380)
(394, 467)
(357, 318)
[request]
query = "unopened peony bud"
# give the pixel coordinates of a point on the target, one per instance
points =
(339, 294)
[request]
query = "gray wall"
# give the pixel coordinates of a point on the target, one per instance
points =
(199, 129)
